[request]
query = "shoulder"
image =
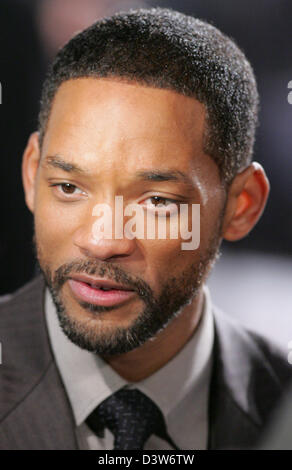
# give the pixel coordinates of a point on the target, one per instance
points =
(19, 301)
(254, 369)
(250, 344)
(274, 354)
(24, 342)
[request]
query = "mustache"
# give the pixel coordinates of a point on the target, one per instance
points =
(106, 270)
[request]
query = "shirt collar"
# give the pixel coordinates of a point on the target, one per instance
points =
(89, 380)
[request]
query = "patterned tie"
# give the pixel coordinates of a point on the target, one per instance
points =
(131, 417)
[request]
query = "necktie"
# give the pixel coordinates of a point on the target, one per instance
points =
(131, 417)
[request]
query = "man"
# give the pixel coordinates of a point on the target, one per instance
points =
(116, 344)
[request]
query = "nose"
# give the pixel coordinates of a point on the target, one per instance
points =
(95, 244)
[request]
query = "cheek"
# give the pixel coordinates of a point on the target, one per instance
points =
(211, 220)
(165, 259)
(54, 226)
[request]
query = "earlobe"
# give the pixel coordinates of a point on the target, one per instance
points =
(30, 163)
(247, 198)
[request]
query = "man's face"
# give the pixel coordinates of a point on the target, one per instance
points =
(124, 138)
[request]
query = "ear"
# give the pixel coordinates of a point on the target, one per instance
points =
(247, 197)
(30, 163)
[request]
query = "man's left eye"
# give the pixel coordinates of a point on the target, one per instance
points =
(159, 201)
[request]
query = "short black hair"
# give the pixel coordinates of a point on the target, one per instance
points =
(163, 48)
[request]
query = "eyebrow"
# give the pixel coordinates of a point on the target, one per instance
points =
(165, 175)
(57, 162)
(145, 175)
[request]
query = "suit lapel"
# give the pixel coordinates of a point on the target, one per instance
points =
(39, 416)
(43, 420)
(242, 390)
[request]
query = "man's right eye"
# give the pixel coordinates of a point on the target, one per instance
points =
(67, 189)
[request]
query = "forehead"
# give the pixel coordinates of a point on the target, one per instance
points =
(110, 120)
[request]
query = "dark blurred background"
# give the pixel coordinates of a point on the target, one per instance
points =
(253, 278)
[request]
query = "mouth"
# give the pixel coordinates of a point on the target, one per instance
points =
(99, 291)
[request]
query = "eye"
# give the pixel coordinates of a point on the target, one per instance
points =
(67, 189)
(160, 202)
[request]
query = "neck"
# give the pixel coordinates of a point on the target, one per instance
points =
(141, 362)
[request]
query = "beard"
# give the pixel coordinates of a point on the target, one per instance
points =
(176, 293)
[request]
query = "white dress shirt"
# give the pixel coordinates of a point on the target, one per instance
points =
(180, 388)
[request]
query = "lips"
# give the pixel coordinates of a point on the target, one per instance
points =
(99, 291)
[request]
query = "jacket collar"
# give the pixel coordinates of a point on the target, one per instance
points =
(243, 387)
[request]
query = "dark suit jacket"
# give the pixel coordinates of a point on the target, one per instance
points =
(248, 379)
